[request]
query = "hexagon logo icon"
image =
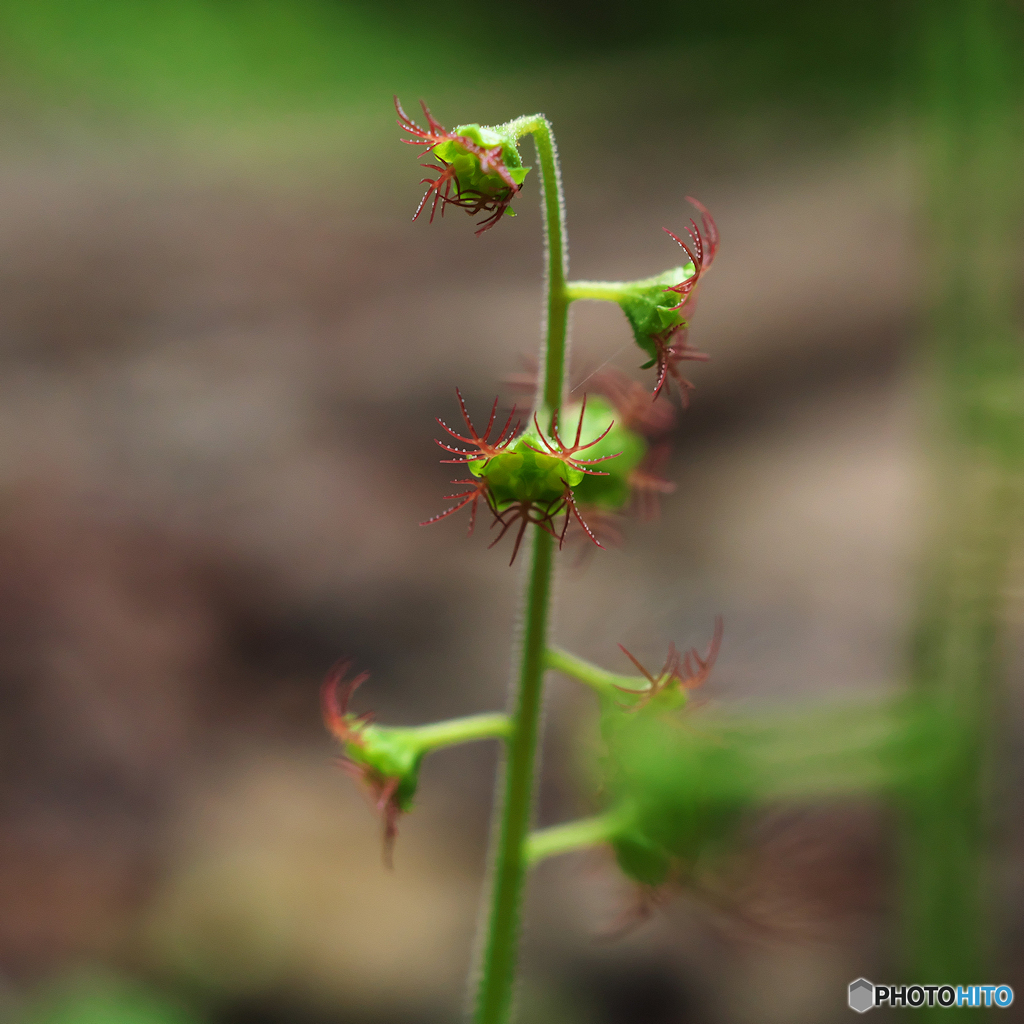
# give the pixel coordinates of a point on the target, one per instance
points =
(862, 995)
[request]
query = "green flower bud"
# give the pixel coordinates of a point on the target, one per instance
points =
(478, 168)
(475, 175)
(529, 477)
(652, 309)
(655, 306)
(526, 474)
(390, 754)
(684, 789)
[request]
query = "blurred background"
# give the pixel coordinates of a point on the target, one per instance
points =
(222, 346)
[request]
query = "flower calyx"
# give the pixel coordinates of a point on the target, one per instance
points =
(659, 328)
(486, 449)
(384, 761)
(680, 673)
(531, 477)
(631, 480)
(534, 476)
(656, 307)
(567, 453)
(702, 249)
(477, 490)
(478, 168)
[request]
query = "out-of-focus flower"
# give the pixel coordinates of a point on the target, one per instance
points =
(382, 760)
(680, 673)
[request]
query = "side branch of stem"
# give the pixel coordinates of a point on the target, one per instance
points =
(603, 291)
(604, 682)
(450, 733)
(573, 835)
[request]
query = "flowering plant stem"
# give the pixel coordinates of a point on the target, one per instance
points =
(499, 947)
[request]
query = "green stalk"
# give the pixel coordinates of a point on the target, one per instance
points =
(617, 291)
(459, 730)
(607, 684)
(574, 835)
(603, 291)
(499, 948)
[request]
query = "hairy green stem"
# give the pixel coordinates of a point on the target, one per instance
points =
(499, 948)
(574, 835)
(554, 350)
(460, 730)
